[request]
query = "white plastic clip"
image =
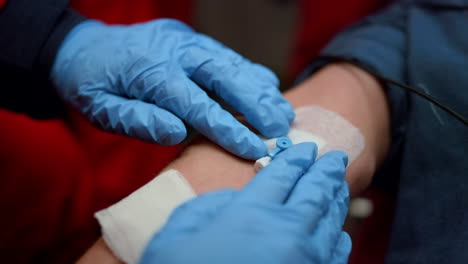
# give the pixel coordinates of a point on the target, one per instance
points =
(282, 143)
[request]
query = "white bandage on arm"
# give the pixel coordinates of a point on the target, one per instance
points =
(327, 129)
(129, 224)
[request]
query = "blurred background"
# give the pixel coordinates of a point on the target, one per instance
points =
(261, 30)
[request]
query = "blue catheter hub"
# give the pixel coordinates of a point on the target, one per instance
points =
(282, 143)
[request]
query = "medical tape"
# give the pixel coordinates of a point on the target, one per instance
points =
(128, 225)
(327, 129)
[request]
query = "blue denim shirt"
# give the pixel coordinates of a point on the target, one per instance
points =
(425, 44)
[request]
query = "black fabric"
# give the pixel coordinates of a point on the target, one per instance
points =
(29, 93)
(31, 32)
(65, 23)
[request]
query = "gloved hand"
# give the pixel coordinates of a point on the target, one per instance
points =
(291, 212)
(144, 80)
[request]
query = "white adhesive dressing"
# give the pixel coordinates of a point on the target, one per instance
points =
(327, 129)
(128, 225)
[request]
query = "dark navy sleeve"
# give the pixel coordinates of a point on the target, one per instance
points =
(377, 43)
(31, 32)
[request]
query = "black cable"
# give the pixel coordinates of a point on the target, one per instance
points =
(424, 96)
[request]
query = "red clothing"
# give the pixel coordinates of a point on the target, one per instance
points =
(131, 11)
(55, 174)
(126, 11)
(319, 21)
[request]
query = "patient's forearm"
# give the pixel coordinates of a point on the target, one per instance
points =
(208, 167)
(341, 88)
(99, 253)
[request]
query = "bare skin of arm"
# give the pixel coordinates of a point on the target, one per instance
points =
(342, 88)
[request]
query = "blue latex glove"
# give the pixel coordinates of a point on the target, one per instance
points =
(144, 80)
(291, 212)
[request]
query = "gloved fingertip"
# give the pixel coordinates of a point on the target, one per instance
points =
(342, 249)
(276, 125)
(345, 160)
(288, 111)
(337, 155)
(279, 130)
(310, 148)
(345, 242)
(245, 144)
(344, 192)
(306, 150)
(291, 116)
(256, 150)
(172, 137)
(344, 157)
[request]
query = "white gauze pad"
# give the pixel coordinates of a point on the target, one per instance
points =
(327, 129)
(128, 225)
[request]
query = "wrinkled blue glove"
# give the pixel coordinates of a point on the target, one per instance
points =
(144, 80)
(291, 212)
